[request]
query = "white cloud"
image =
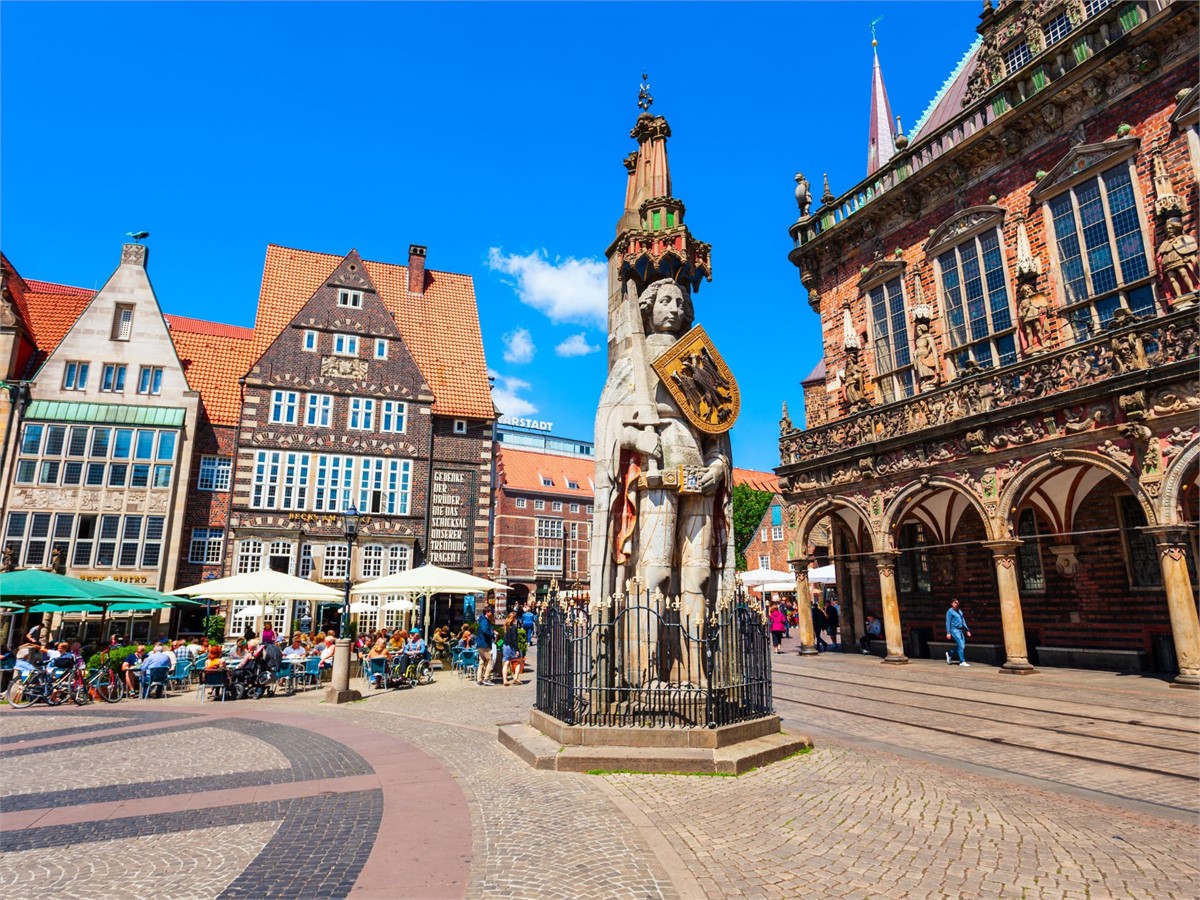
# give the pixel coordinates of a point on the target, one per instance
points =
(518, 346)
(576, 345)
(566, 290)
(504, 394)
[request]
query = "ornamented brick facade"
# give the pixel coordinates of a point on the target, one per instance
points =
(1009, 413)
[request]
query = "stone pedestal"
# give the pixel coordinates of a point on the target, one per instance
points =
(339, 688)
(1016, 653)
(547, 743)
(885, 562)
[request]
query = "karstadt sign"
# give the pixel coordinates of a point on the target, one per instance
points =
(534, 424)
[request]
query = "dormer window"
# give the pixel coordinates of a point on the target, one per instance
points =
(547, 482)
(352, 299)
(573, 485)
(345, 344)
(380, 348)
(122, 329)
(310, 340)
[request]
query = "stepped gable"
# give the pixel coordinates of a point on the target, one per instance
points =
(439, 324)
(214, 357)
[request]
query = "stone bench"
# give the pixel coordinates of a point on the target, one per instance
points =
(988, 654)
(1089, 658)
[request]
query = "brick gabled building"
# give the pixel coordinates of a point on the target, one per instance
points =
(1006, 413)
(368, 389)
(542, 521)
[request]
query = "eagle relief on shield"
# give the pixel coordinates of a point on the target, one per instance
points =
(700, 382)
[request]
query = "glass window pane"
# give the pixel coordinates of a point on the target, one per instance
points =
(122, 443)
(1069, 256)
(166, 446)
(32, 439)
(145, 445)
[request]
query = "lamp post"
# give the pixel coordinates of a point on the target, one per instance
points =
(339, 687)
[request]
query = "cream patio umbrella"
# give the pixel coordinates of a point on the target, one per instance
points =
(265, 586)
(756, 577)
(427, 580)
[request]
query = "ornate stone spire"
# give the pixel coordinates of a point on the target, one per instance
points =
(785, 421)
(849, 335)
(880, 144)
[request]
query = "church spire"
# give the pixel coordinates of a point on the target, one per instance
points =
(881, 145)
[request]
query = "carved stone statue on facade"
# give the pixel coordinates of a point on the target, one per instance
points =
(803, 195)
(1032, 310)
(1128, 351)
(7, 559)
(853, 382)
(664, 483)
(925, 357)
(56, 560)
(1177, 263)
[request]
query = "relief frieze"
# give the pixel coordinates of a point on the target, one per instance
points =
(343, 367)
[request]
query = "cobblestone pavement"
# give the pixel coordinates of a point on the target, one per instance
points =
(1088, 793)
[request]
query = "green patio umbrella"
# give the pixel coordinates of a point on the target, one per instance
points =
(30, 585)
(137, 606)
(66, 608)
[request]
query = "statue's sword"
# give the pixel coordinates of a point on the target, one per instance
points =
(645, 410)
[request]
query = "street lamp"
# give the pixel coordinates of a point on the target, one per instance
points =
(339, 687)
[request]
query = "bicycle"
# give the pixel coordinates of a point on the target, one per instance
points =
(35, 686)
(106, 685)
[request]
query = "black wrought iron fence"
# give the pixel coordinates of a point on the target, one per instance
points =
(646, 663)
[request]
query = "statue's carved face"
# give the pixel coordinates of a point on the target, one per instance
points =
(666, 316)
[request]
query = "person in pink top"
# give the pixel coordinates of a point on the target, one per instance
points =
(778, 622)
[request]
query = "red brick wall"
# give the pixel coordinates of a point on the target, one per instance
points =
(516, 541)
(205, 509)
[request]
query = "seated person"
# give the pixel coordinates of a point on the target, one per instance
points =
(874, 632)
(214, 659)
(63, 657)
(327, 653)
(295, 649)
(466, 640)
(158, 659)
(29, 655)
(414, 649)
(129, 663)
(52, 651)
(441, 640)
(249, 650)
(378, 651)
(396, 642)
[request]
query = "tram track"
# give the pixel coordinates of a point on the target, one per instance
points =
(871, 694)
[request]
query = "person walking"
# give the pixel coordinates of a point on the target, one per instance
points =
(485, 636)
(832, 620)
(778, 621)
(820, 623)
(956, 628)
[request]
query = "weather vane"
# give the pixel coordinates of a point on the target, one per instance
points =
(138, 236)
(875, 43)
(645, 100)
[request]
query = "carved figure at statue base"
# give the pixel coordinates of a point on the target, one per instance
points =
(1177, 264)
(1032, 310)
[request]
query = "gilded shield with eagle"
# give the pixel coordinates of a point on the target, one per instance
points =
(700, 382)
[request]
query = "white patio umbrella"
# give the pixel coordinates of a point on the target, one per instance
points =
(427, 580)
(755, 577)
(256, 610)
(265, 586)
(401, 604)
(777, 587)
(822, 575)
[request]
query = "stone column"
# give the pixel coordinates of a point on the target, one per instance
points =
(855, 584)
(1016, 653)
(1181, 602)
(808, 638)
(885, 562)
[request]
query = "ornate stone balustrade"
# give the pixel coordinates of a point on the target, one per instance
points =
(991, 101)
(997, 408)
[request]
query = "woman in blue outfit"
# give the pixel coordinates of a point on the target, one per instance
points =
(956, 628)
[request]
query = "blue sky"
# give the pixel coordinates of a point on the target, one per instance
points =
(493, 133)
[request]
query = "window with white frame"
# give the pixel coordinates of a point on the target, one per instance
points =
(215, 473)
(150, 380)
(1101, 251)
(764, 562)
(889, 326)
(394, 617)
(283, 407)
(399, 558)
(399, 487)
(776, 532)
(393, 415)
(310, 341)
(547, 481)
(574, 507)
(1092, 7)
(345, 344)
(370, 485)
(549, 559)
(556, 506)
(381, 346)
(112, 378)
(306, 561)
(318, 410)
(764, 534)
(122, 329)
(1056, 28)
(279, 556)
(249, 556)
(75, 376)
(460, 426)
(332, 492)
(362, 414)
(352, 299)
(519, 503)
(294, 485)
(978, 313)
(368, 613)
(539, 505)
(1017, 57)
(550, 528)
(265, 494)
(206, 545)
(337, 562)
(371, 561)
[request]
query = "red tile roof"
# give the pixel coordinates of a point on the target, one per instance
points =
(51, 310)
(214, 357)
(440, 326)
(524, 470)
(760, 481)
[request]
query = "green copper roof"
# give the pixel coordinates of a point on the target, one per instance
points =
(105, 413)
